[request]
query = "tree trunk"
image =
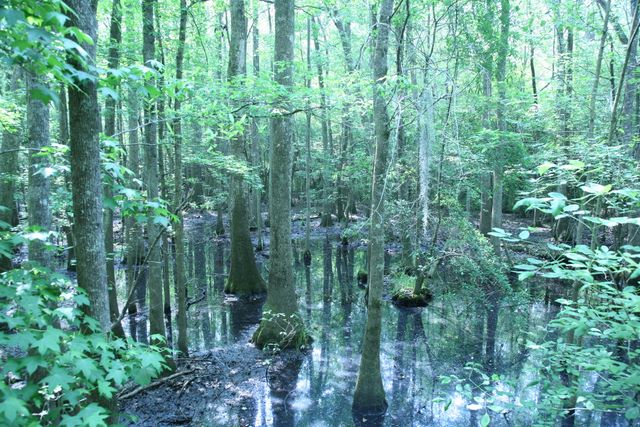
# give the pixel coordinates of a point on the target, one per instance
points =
(501, 74)
(486, 202)
(344, 31)
(369, 395)
(135, 243)
(9, 171)
(244, 277)
(166, 285)
(631, 85)
(38, 205)
(255, 134)
(181, 280)
(307, 165)
(156, 316)
(425, 144)
(534, 82)
(596, 81)
(110, 130)
(326, 220)
(630, 52)
(84, 127)
(281, 324)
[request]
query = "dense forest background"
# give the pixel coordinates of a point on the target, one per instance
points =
(491, 147)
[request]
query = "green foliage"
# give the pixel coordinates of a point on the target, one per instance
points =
(603, 322)
(52, 373)
(599, 319)
(489, 393)
(471, 257)
(35, 35)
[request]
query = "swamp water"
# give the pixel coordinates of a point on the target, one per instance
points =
(418, 346)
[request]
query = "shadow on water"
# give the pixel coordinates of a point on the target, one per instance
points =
(418, 346)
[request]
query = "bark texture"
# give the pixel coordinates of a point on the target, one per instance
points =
(84, 126)
(38, 206)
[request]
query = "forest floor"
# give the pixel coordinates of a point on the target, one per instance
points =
(226, 376)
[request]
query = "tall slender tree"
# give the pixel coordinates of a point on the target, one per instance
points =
(38, 203)
(115, 34)
(181, 280)
(501, 75)
(369, 394)
(135, 243)
(156, 315)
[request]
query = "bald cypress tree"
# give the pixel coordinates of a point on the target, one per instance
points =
(281, 324)
(244, 277)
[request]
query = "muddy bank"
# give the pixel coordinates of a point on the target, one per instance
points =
(222, 376)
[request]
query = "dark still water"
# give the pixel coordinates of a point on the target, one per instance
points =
(418, 347)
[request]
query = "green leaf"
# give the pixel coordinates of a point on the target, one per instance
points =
(632, 413)
(557, 206)
(524, 235)
(526, 275)
(55, 18)
(543, 168)
(87, 367)
(12, 406)
(596, 189)
(81, 299)
(12, 16)
(58, 377)
(49, 341)
(485, 420)
(573, 165)
(576, 257)
(44, 94)
(117, 373)
(560, 196)
(94, 416)
(105, 389)
(151, 359)
(162, 220)
(108, 92)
